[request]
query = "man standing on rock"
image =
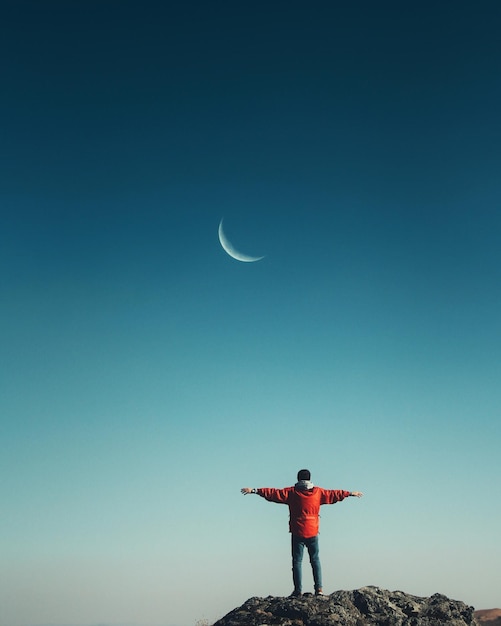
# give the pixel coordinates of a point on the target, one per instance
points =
(304, 501)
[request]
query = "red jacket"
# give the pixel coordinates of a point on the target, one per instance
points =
(304, 506)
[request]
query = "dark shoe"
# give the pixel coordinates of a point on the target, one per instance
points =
(319, 592)
(295, 594)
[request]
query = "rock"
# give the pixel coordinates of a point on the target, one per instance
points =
(368, 606)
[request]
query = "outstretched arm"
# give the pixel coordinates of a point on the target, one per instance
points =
(280, 496)
(331, 496)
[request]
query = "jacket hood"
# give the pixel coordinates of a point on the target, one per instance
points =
(304, 485)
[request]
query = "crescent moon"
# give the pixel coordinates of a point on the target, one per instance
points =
(229, 249)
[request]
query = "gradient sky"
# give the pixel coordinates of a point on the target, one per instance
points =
(146, 376)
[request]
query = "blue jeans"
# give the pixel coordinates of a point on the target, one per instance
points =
(298, 545)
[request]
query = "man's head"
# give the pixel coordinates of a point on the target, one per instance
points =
(304, 474)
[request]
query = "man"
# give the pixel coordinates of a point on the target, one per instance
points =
(304, 501)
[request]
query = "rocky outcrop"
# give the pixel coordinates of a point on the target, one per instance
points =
(368, 606)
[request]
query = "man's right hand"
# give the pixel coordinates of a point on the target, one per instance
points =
(246, 490)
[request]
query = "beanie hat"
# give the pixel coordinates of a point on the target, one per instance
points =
(304, 474)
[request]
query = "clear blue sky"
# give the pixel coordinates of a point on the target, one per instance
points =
(146, 376)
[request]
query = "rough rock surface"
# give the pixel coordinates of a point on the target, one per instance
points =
(368, 606)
